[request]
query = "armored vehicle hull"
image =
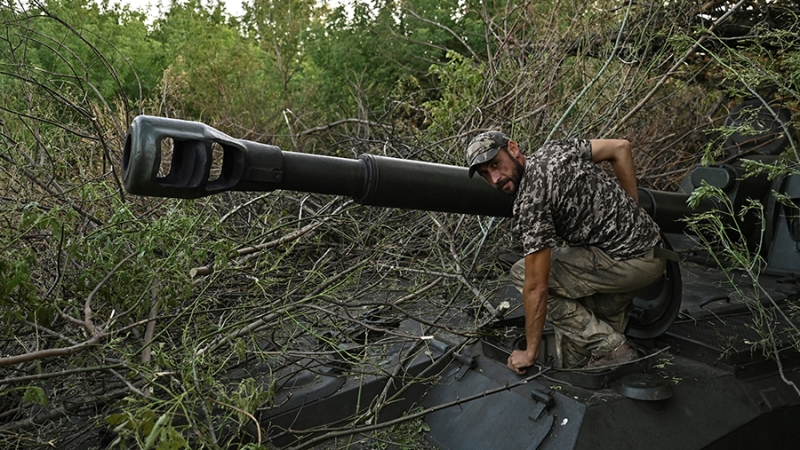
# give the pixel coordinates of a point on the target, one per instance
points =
(702, 382)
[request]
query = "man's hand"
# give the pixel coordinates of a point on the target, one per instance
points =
(534, 300)
(519, 361)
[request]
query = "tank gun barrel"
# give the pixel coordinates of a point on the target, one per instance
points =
(192, 172)
(196, 170)
(669, 209)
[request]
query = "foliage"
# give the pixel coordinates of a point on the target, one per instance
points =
(102, 324)
(760, 66)
(719, 232)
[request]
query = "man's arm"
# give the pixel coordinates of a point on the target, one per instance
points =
(618, 153)
(534, 298)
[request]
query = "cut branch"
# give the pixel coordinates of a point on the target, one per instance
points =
(52, 353)
(207, 270)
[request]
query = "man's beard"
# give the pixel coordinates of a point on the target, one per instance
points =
(515, 178)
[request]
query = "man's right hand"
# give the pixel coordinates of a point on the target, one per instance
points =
(534, 301)
(519, 361)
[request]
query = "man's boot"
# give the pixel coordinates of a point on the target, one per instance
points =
(622, 355)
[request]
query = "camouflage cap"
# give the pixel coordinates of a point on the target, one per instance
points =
(484, 147)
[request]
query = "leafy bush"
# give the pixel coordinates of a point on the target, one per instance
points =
(138, 322)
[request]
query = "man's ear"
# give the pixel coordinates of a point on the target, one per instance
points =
(513, 149)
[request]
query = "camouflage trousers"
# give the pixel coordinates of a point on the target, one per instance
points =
(590, 296)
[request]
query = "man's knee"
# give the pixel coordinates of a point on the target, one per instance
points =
(567, 313)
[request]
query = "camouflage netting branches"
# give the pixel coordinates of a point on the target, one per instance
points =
(653, 73)
(148, 322)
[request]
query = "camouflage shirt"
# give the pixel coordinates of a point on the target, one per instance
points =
(564, 196)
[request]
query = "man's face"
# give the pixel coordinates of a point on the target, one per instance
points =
(503, 172)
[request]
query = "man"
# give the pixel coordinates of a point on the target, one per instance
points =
(584, 289)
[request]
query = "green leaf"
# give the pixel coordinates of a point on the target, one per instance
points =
(171, 439)
(45, 315)
(116, 419)
(35, 394)
(14, 282)
(154, 433)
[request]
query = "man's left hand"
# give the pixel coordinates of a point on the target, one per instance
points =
(519, 361)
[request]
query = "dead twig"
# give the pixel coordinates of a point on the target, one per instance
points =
(207, 270)
(266, 320)
(241, 411)
(675, 66)
(87, 308)
(358, 430)
(151, 325)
